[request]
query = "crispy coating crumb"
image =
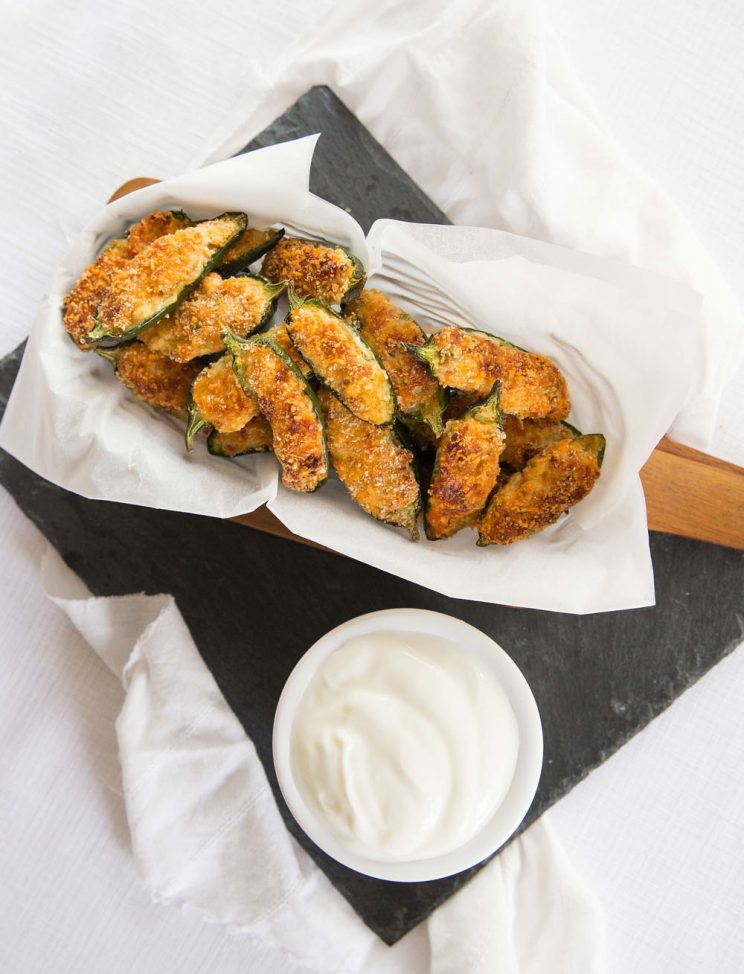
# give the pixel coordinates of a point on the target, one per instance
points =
(466, 470)
(93, 284)
(527, 437)
(280, 335)
(157, 276)
(387, 329)
(373, 465)
(254, 437)
(157, 224)
(220, 398)
(285, 400)
(531, 385)
(196, 326)
(552, 482)
(91, 287)
(313, 270)
(155, 379)
(343, 362)
(250, 240)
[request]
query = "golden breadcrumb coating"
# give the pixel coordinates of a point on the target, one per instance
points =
(249, 240)
(527, 437)
(313, 270)
(342, 361)
(280, 335)
(195, 328)
(387, 329)
(552, 482)
(157, 224)
(373, 465)
(254, 437)
(531, 385)
(93, 284)
(158, 276)
(154, 378)
(286, 401)
(466, 470)
(487, 415)
(220, 398)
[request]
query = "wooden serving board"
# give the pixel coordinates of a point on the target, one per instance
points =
(254, 603)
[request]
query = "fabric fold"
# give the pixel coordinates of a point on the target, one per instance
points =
(492, 122)
(207, 835)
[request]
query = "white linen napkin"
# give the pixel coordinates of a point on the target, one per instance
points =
(207, 834)
(478, 102)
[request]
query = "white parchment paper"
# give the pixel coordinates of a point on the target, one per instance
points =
(627, 340)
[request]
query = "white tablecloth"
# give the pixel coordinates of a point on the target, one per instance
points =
(96, 93)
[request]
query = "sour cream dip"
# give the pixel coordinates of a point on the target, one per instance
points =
(404, 745)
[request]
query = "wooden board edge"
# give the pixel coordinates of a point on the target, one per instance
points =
(263, 520)
(693, 495)
(131, 186)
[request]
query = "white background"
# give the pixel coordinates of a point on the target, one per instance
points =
(94, 93)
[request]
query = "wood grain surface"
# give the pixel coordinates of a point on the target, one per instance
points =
(688, 493)
(693, 495)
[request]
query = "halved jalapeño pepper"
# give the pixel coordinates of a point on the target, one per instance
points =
(241, 304)
(466, 469)
(249, 247)
(152, 377)
(280, 335)
(527, 437)
(552, 482)
(373, 464)
(288, 403)
(254, 437)
(314, 268)
(218, 400)
(341, 359)
(471, 361)
(93, 284)
(390, 333)
(163, 275)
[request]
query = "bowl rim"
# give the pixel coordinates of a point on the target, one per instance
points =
(518, 799)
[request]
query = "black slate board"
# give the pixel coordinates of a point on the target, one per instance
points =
(597, 679)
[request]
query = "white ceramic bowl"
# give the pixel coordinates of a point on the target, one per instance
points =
(519, 797)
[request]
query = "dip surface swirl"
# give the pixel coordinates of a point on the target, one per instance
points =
(404, 745)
